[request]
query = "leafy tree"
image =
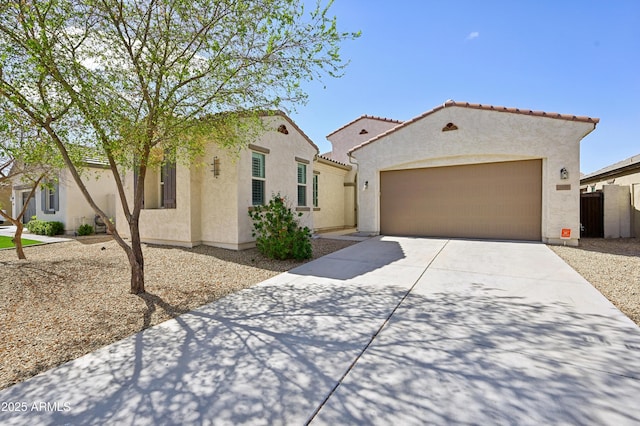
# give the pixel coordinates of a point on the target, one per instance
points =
(25, 157)
(129, 77)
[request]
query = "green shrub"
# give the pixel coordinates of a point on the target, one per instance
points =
(278, 233)
(41, 227)
(85, 229)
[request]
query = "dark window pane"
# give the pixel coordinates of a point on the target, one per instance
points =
(257, 192)
(315, 190)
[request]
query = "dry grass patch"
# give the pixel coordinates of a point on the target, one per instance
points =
(71, 298)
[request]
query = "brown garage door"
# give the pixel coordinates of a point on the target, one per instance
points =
(492, 200)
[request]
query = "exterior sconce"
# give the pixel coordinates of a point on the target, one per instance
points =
(366, 184)
(564, 173)
(216, 167)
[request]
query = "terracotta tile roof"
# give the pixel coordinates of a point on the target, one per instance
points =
(331, 160)
(389, 120)
(511, 110)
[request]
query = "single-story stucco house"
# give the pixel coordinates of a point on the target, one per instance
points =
(474, 171)
(610, 200)
(458, 170)
(61, 200)
(189, 205)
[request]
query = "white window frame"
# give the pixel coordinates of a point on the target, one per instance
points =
(256, 178)
(302, 184)
(316, 185)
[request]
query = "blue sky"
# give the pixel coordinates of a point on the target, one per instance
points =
(574, 57)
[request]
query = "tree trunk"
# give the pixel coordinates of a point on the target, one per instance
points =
(17, 237)
(17, 240)
(136, 260)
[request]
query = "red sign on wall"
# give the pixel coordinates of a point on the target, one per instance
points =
(566, 233)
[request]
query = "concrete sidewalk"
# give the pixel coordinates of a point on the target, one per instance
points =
(10, 230)
(389, 331)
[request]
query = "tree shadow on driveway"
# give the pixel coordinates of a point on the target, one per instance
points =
(484, 357)
(269, 356)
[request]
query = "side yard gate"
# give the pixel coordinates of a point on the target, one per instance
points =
(592, 214)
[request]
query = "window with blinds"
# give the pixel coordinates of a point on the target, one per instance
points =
(302, 184)
(258, 178)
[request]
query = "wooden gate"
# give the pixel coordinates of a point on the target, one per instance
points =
(592, 214)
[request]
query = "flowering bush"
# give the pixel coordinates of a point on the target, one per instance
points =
(277, 231)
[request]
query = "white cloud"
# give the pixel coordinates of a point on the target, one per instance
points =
(472, 35)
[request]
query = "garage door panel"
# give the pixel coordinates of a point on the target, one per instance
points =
(495, 200)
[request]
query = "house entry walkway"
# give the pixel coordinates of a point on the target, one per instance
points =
(388, 331)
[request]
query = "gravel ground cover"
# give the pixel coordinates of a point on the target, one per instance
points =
(69, 299)
(611, 266)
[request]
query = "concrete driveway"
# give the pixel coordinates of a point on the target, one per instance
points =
(389, 331)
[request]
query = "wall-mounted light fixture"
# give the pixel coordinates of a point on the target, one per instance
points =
(216, 167)
(366, 184)
(564, 173)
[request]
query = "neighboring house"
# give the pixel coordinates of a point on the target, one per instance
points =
(474, 171)
(188, 205)
(5, 200)
(5, 189)
(61, 200)
(610, 200)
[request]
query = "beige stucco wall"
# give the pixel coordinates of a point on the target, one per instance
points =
(351, 198)
(332, 202)
(281, 174)
(482, 136)
(219, 200)
(74, 209)
(159, 225)
(348, 137)
(617, 211)
(5, 199)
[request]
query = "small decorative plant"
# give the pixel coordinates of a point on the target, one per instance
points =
(278, 233)
(85, 229)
